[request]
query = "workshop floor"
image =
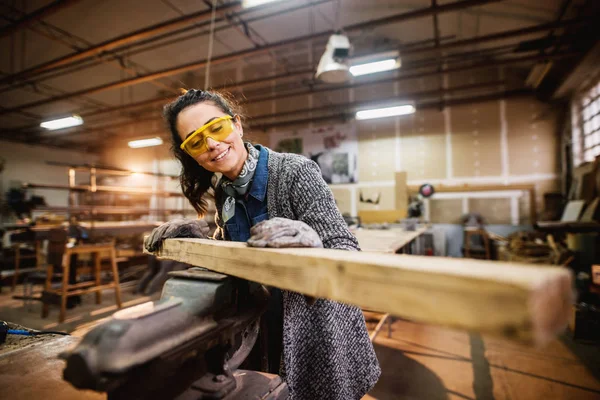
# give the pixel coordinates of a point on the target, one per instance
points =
(418, 361)
(78, 319)
(426, 362)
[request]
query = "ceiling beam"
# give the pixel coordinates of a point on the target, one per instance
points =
(408, 49)
(326, 88)
(424, 12)
(121, 40)
(135, 48)
(404, 97)
(498, 36)
(37, 15)
(581, 75)
(346, 116)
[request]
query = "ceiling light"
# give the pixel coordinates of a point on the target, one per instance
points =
(373, 67)
(136, 144)
(254, 3)
(68, 122)
(386, 112)
(333, 67)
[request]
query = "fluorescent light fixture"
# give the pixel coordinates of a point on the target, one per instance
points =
(373, 67)
(386, 112)
(136, 144)
(254, 3)
(68, 122)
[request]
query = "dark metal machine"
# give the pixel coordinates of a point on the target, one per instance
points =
(187, 345)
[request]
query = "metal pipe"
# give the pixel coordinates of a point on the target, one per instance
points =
(348, 116)
(163, 99)
(89, 63)
(411, 96)
(414, 94)
(38, 14)
(127, 38)
(498, 36)
(245, 53)
(483, 65)
(324, 88)
(416, 75)
(454, 102)
(404, 97)
(436, 37)
(125, 47)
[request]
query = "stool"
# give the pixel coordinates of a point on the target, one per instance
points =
(66, 290)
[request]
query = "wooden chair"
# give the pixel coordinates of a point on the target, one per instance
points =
(471, 251)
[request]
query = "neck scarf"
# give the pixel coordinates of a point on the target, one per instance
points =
(241, 184)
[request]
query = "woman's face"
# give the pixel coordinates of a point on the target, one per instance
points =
(227, 156)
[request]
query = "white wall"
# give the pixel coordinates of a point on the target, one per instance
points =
(27, 164)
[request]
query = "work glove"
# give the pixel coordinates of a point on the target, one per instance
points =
(283, 232)
(177, 228)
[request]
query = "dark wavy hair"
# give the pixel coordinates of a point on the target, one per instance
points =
(195, 180)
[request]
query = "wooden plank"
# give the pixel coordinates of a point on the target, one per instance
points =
(401, 191)
(520, 302)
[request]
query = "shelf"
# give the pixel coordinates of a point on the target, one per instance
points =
(101, 189)
(105, 168)
(108, 210)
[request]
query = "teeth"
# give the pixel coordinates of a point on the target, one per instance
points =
(217, 158)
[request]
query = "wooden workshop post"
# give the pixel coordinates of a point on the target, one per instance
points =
(65, 284)
(115, 270)
(97, 275)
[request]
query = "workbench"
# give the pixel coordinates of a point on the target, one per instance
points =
(30, 369)
(391, 240)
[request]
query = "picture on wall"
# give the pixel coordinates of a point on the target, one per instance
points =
(333, 147)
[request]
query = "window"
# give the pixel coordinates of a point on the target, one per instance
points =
(585, 120)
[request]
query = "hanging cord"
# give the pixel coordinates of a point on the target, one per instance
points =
(210, 44)
(338, 10)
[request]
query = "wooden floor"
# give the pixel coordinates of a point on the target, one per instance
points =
(418, 361)
(426, 362)
(78, 318)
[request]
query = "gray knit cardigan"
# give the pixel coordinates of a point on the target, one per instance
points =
(327, 353)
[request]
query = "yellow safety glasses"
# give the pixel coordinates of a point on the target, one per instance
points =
(217, 129)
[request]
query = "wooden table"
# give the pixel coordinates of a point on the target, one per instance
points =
(386, 240)
(67, 290)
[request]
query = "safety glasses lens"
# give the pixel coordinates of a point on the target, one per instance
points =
(217, 131)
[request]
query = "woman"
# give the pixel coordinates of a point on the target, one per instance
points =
(271, 199)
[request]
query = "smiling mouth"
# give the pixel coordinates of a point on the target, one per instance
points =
(222, 155)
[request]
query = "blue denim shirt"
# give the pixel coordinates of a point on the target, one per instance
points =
(249, 211)
(252, 208)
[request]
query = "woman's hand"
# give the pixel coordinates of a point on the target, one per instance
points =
(283, 232)
(178, 228)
